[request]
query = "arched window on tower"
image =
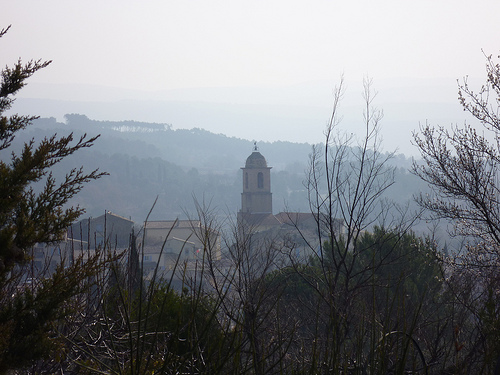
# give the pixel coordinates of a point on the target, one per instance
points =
(246, 180)
(260, 180)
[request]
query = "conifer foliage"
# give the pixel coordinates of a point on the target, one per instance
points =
(30, 309)
(27, 217)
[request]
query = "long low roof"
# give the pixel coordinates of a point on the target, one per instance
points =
(167, 224)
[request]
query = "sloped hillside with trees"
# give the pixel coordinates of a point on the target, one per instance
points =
(145, 161)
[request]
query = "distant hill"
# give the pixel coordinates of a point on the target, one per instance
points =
(150, 160)
(193, 148)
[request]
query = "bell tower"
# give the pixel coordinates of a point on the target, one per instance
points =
(256, 197)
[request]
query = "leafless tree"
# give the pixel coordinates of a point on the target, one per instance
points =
(347, 181)
(241, 283)
(461, 166)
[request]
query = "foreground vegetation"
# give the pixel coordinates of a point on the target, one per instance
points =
(391, 307)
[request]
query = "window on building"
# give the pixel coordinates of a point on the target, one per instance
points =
(260, 180)
(246, 180)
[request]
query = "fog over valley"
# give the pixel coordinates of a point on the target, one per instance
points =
(235, 187)
(296, 113)
(149, 160)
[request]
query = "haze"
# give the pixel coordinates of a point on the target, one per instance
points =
(255, 70)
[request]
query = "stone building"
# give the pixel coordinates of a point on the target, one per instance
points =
(256, 197)
(181, 245)
(297, 231)
(109, 229)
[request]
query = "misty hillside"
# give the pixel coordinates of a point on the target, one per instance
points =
(148, 160)
(194, 148)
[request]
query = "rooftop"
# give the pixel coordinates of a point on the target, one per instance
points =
(256, 160)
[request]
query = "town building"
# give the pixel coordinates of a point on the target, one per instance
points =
(295, 232)
(256, 197)
(46, 257)
(178, 246)
(108, 230)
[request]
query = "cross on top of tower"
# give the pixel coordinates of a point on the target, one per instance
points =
(255, 148)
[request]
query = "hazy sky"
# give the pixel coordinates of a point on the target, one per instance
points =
(148, 46)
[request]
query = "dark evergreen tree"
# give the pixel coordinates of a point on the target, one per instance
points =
(29, 313)
(25, 216)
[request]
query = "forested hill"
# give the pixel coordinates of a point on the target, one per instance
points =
(148, 160)
(194, 148)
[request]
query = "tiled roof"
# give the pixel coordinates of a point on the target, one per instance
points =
(167, 224)
(294, 217)
(109, 213)
(260, 219)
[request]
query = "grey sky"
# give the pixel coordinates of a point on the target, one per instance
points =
(147, 47)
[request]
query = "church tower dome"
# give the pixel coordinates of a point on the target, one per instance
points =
(256, 160)
(256, 196)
